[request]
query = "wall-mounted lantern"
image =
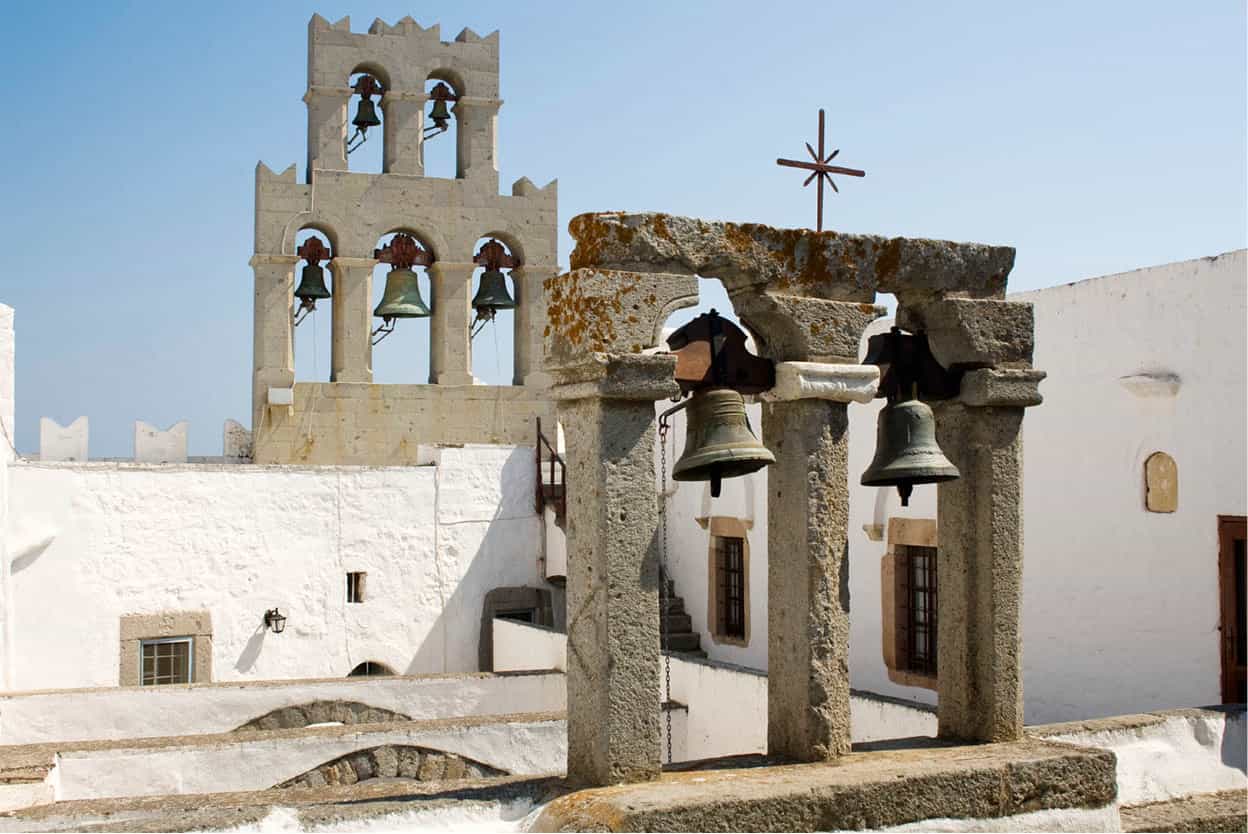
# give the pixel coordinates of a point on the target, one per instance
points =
(366, 114)
(492, 294)
(275, 621)
(312, 278)
(401, 300)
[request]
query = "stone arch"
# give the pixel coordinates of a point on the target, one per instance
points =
(373, 68)
(421, 764)
(326, 230)
(321, 712)
(451, 77)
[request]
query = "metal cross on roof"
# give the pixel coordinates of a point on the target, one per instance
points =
(821, 170)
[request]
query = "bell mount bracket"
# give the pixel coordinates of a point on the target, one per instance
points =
(711, 353)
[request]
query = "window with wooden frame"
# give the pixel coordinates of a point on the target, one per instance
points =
(909, 595)
(355, 586)
(166, 660)
(728, 611)
(1233, 625)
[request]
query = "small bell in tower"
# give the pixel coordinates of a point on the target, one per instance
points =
(401, 299)
(439, 113)
(312, 278)
(906, 451)
(366, 114)
(492, 294)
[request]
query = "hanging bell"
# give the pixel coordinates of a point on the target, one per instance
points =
(440, 114)
(718, 440)
(401, 300)
(366, 114)
(492, 295)
(906, 452)
(311, 285)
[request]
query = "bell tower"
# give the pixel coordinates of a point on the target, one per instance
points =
(348, 419)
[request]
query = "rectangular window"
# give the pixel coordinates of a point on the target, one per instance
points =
(167, 660)
(916, 596)
(730, 573)
(355, 586)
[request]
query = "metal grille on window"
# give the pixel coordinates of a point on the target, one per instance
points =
(916, 567)
(730, 565)
(166, 661)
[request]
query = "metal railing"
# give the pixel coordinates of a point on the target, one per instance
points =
(551, 490)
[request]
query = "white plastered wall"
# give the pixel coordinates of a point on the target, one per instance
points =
(91, 542)
(7, 453)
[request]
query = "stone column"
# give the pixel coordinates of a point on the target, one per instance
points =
(403, 123)
(475, 123)
(980, 558)
(351, 357)
(528, 282)
(805, 425)
(273, 353)
(327, 127)
(450, 356)
(606, 406)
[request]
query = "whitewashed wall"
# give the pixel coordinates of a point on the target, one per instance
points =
(689, 542)
(152, 711)
(90, 542)
(1120, 609)
(8, 433)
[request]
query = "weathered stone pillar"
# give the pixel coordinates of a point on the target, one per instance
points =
(980, 559)
(450, 357)
(606, 407)
(273, 353)
(806, 426)
(327, 127)
(352, 354)
(403, 125)
(475, 126)
(528, 282)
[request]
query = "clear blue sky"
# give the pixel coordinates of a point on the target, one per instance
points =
(1095, 137)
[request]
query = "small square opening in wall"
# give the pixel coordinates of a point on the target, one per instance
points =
(166, 660)
(355, 586)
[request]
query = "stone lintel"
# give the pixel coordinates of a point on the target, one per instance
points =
(829, 264)
(1008, 387)
(617, 377)
(345, 262)
(863, 790)
(603, 311)
(819, 381)
(799, 329)
(972, 332)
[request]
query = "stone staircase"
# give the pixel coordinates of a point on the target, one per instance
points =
(675, 624)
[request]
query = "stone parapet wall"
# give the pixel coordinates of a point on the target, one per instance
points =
(387, 425)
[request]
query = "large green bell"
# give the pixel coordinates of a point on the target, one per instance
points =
(401, 300)
(906, 452)
(366, 114)
(492, 295)
(312, 284)
(718, 440)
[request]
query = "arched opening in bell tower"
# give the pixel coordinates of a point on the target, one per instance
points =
(494, 302)
(401, 348)
(440, 139)
(365, 134)
(312, 303)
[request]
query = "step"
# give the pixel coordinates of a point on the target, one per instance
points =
(677, 623)
(682, 642)
(1222, 811)
(673, 605)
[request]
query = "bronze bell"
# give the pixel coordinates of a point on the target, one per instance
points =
(492, 295)
(718, 440)
(906, 452)
(311, 285)
(366, 114)
(401, 300)
(440, 114)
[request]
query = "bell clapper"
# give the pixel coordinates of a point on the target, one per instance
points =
(306, 305)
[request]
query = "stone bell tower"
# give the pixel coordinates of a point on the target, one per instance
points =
(349, 419)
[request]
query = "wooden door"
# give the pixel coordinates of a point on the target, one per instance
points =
(1234, 627)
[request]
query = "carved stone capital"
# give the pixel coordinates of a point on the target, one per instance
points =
(1002, 387)
(610, 376)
